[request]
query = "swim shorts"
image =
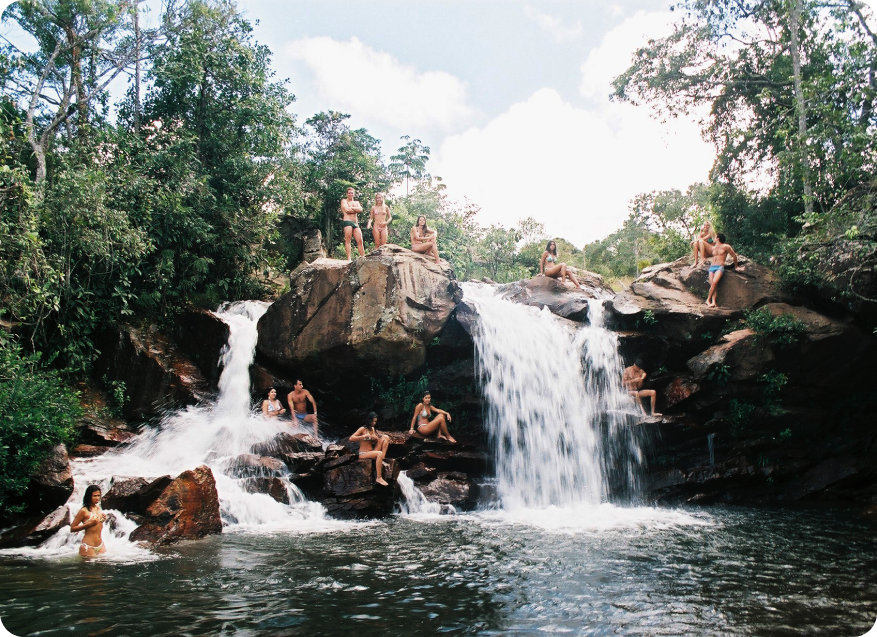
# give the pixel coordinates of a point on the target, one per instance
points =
(300, 416)
(349, 224)
(717, 268)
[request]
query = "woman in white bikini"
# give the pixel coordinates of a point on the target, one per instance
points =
(380, 217)
(271, 408)
(550, 266)
(702, 247)
(423, 239)
(91, 520)
(426, 424)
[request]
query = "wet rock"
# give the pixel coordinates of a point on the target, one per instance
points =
(35, 530)
(187, 509)
(452, 489)
(421, 472)
(52, 484)
(302, 462)
(832, 474)
(465, 462)
(378, 312)
(285, 443)
(134, 495)
(740, 352)
(156, 375)
(201, 335)
(89, 451)
(275, 487)
(564, 301)
(334, 451)
(678, 390)
(248, 465)
(349, 490)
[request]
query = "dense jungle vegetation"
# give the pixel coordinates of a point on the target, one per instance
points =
(173, 196)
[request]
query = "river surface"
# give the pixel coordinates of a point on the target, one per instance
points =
(716, 571)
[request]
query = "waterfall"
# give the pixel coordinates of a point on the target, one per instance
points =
(413, 501)
(557, 416)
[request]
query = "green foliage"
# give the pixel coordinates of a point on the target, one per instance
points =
(719, 374)
(649, 317)
(783, 329)
(400, 394)
(37, 412)
(786, 434)
(409, 162)
(118, 397)
(773, 381)
(740, 416)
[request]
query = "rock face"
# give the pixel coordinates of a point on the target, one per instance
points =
(187, 509)
(35, 530)
(156, 375)
(380, 311)
(133, 495)
(570, 303)
(52, 484)
(201, 336)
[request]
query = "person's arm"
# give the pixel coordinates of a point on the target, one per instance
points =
(439, 411)
(387, 210)
(345, 207)
(734, 255)
(415, 236)
(359, 435)
(313, 402)
(356, 207)
(414, 418)
(265, 408)
(542, 262)
(290, 401)
(371, 218)
(79, 525)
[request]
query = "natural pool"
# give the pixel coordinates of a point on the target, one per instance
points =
(599, 571)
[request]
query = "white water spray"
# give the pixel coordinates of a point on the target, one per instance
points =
(556, 410)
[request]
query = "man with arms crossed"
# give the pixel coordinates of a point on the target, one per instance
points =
(298, 398)
(350, 208)
(717, 266)
(632, 379)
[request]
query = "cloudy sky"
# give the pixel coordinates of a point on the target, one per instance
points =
(512, 98)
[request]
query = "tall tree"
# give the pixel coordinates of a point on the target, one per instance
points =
(409, 162)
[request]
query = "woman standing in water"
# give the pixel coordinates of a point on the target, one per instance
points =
(380, 217)
(550, 265)
(426, 424)
(91, 520)
(702, 246)
(423, 239)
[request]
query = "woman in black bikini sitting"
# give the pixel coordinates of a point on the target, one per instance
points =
(91, 520)
(426, 424)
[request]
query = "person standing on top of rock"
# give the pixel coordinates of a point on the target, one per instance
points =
(90, 519)
(350, 209)
(426, 424)
(423, 239)
(550, 266)
(298, 398)
(380, 217)
(633, 379)
(271, 408)
(717, 268)
(372, 445)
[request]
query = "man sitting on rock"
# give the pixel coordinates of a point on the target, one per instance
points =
(717, 266)
(633, 379)
(372, 445)
(298, 398)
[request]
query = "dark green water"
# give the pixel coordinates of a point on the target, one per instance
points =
(743, 572)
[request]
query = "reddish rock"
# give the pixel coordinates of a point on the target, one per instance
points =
(453, 490)
(678, 390)
(35, 530)
(88, 451)
(249, 465)
(740, 351)
(301, 462)
(468, 462)
(275, 487)
(52, 484)
(187, 509)
(421, 472)
(133, 495)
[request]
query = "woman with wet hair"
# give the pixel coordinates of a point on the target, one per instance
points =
(272, 407)
(426, 424)
(550, 266)
(91, 520)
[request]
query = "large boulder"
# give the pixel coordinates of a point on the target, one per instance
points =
(52, 484)
(738, 356)
(187, 509)
(202, 335)
(350, 490)
(36, 529)
(156, 375)
(285, 443)
(379, 312)
(564, 301)
(133, 495)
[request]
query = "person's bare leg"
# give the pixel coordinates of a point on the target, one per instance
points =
(695, 248)
(444, 432)
(654, 398)
(379, 464)
(562, 272)
(552, 271)
(714, 286)
(385, 236)
(383, 444)
(572, 277)
(357, 234)
(637, 400)
(376, 235)
(423, 248)
(311, 418)
(348, 232)
(429, 428)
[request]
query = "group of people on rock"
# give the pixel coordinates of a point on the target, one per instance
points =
(715, 246)
(423, 239)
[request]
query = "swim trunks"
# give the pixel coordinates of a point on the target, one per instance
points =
(717, 268)
(349, 224)
(300, 416)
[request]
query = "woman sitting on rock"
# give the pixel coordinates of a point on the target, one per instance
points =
(426, 424)
(271, 408)
(423, 239)
(91, 520)
(372, 445)
(550, 266)
(702, 246)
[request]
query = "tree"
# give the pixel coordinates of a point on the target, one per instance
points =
(409, 162)
(498, 248)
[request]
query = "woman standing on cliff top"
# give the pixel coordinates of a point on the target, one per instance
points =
(380, 217)
(423, 239)
(91, 520)
(550, 266)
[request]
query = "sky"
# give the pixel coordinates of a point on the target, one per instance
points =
(511, 97)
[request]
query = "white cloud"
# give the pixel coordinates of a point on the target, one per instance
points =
(575, 169)
(352, 77)
(555, 26)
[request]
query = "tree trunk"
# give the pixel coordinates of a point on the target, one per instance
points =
(800, 104)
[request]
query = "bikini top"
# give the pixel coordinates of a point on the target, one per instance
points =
(271, 406)
(424, 413)
(551, 258)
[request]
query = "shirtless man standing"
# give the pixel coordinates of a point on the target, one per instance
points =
(372, 445)
(632, 379)
(298, 398)
(350, 208)
(717, 266)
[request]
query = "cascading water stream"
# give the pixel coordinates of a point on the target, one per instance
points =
(211, 434)
(557, 415)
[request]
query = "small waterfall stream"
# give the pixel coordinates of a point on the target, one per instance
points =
(557, 415)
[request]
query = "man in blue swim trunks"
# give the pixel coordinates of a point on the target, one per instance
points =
(298, 402)
(717, 266)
